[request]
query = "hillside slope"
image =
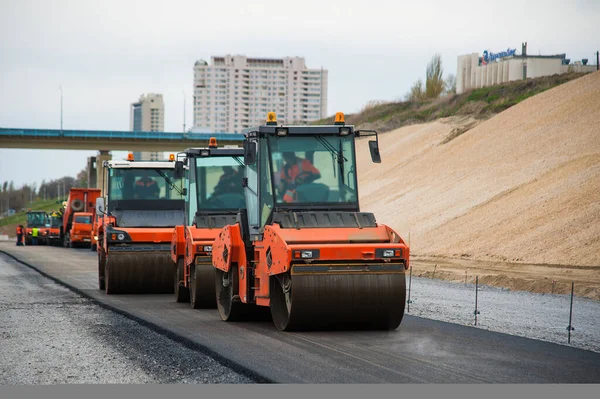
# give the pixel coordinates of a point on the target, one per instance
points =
(482, 104)
(522, 186)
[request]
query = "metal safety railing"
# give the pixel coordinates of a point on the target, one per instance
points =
(476, 310)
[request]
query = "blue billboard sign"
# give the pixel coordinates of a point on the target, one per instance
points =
(489, 56)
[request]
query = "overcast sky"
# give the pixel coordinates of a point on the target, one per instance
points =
(106, 53)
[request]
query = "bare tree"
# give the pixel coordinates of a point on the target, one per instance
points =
(416, 92)
(451, 84)
(82, 178)
(434, 84)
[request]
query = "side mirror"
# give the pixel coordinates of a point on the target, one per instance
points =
(178, 169)
(374, 149)
(249, 152)
(99, 206)
(184, 192)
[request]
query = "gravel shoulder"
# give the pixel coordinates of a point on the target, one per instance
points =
(538, 316)
(50, 335)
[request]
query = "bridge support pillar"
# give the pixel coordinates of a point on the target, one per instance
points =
(91, 170)
(103, 155)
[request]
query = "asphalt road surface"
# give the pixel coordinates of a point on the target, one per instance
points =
(419, 351)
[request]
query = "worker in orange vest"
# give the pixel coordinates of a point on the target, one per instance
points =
(20, 235)
(146, 188)
(296, 171)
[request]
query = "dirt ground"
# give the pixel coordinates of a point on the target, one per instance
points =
(540, 278)
(515, 199)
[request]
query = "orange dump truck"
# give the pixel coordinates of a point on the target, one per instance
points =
(80, 200)
(81, 229)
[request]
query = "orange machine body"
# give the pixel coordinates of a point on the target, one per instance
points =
(338, 249)
(302, 246)
(80, 200)
(192, 244)
(54, 235)
(39, 220)
(81, 231)
(207, 208)
(154, 235)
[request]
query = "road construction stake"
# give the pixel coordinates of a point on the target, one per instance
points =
(409, 284)
(434, 267)
(476, 289)
(570, 327)
(465, 277)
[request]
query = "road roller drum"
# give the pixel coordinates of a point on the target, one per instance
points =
(138, 273)
(363, 300)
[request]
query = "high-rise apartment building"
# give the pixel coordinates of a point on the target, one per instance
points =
(237, 92)
(148, 115)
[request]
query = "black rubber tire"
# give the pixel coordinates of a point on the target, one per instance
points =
(110, 286)
(182, 293)
(101, 270)
(278, 304)
(230, 308)
(67, 240)
(202, 294)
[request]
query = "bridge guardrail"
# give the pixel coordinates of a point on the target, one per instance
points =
(122, 135)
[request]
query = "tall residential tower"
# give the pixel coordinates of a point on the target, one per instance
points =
(148, 115)
(237, 92)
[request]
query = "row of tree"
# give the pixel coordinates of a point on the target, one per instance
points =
(435, 84)
(20, 198)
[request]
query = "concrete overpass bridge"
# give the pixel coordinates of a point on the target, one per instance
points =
(108, 140)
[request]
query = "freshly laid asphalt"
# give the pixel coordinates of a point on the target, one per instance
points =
(419, 351)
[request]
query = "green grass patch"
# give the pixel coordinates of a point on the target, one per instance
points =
(21, 217)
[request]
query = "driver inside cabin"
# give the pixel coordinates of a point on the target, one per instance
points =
(230, 181)
(296, 171)
(146, 187)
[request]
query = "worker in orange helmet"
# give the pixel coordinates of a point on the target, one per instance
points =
(296, 171)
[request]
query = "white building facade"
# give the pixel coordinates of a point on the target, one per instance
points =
(475, 71)
(237, 92)
(148, 115)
